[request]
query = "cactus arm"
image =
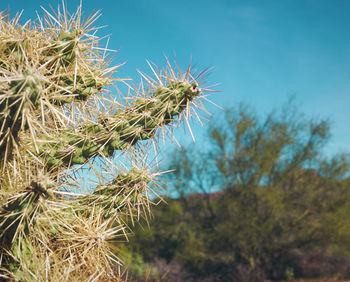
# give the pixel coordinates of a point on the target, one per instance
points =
(123, 129)
(19, 212)
(22, 94)
(126, 192)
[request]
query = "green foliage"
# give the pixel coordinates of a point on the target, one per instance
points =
(256, 204)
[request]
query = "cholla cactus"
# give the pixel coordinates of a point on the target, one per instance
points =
(58, 119)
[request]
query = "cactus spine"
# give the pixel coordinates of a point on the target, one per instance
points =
(55, 114)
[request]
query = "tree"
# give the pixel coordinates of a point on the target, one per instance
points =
(258, 201)
(58, 118)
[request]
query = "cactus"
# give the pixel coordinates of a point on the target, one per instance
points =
(59, 121)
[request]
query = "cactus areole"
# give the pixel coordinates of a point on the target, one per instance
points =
(59, 121)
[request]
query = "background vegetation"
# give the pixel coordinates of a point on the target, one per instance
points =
(260, 201)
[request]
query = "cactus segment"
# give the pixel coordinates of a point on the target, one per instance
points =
(62, 50)
(112, 197)
(19, 212)
(23, 94)
(123, 129)
(80, 88)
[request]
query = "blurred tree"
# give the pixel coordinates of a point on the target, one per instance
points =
(260, 195)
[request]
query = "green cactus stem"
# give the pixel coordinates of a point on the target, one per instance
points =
(123, 129)
(15, 49)
(125, 189)
(23, 250)
(23, 93)
(19, 212)
(62, 51)
(79, 88)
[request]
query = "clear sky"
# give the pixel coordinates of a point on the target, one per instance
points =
(263, 51)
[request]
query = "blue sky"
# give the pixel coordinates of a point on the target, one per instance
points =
(263, 51)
